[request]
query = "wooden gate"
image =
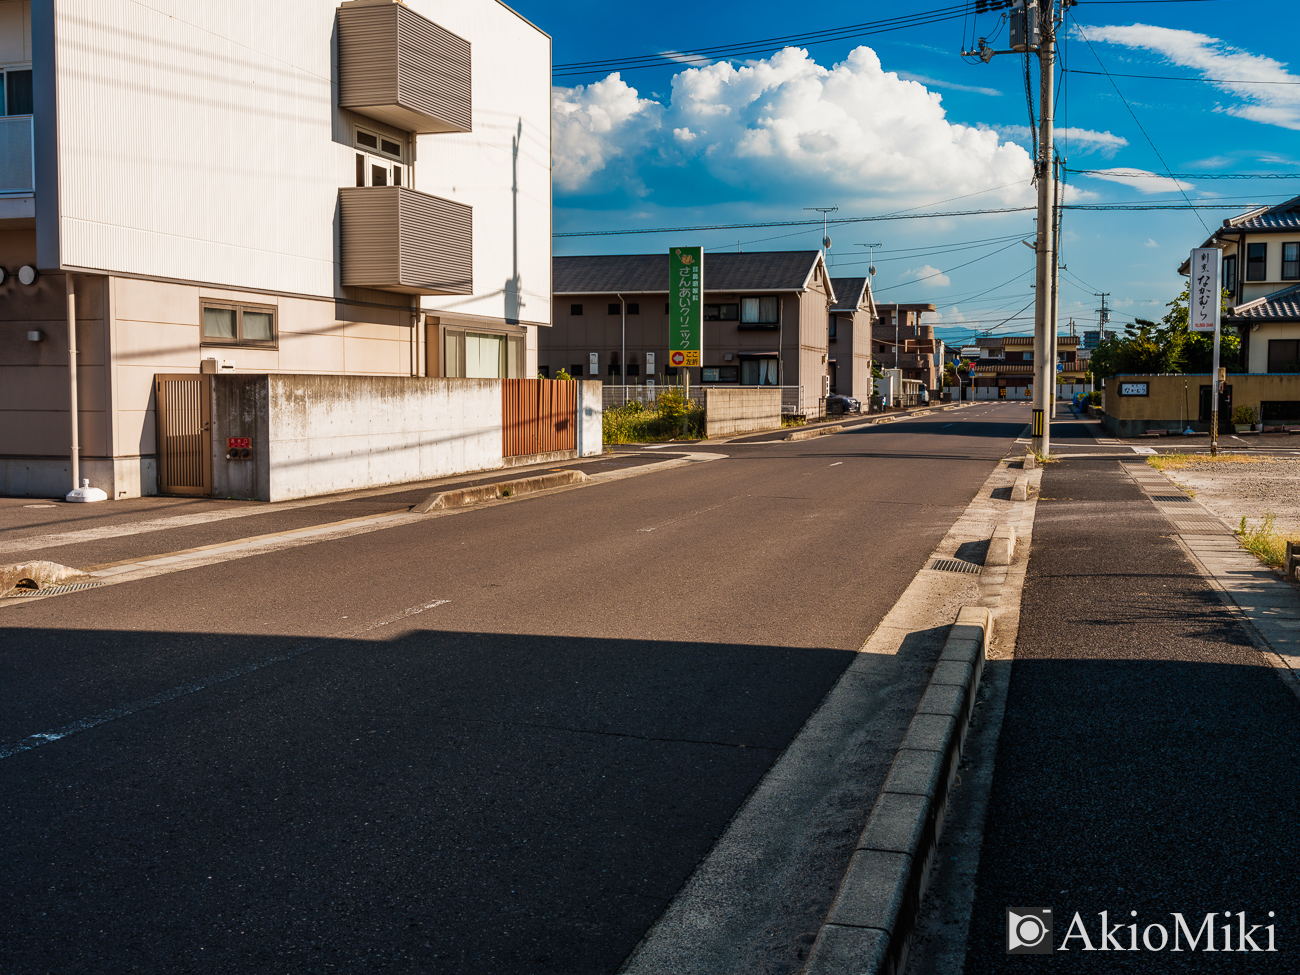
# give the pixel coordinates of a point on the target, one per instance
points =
(538, 416)
(184, 416)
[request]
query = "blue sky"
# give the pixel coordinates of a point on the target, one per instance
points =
(899, 121)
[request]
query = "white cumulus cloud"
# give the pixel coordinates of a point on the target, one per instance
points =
(1085, 140)
(593, 126)
(1232, 68)
(1141, 180)
(932, 275)
(783, 124)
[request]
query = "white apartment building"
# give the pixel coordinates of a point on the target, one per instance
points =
(356, 188)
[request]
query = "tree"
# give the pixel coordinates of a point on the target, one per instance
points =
(1147, 347)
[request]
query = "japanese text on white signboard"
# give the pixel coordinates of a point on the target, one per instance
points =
(1203, 303)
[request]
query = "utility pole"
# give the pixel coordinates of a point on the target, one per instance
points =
(1053, 318)
(1103, 315)
(1041, 439)
(1033, 26)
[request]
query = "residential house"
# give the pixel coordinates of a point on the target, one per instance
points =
(1005, 368)
(900, 341)
(849, 338)
(1261, 273)
(303, 187)
(765, 316)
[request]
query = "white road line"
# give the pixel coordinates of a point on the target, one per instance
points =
(1142, 450)
(126, 710)
(837, 463)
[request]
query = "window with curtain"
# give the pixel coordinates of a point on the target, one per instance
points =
(482, 355)
(763, 310)
(759, 372)
(231, 324)
(1291, 261)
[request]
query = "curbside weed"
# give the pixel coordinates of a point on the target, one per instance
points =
(1263, 541)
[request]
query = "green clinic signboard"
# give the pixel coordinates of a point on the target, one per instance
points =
(686, 306)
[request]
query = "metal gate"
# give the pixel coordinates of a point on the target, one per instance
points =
(538, 416)
(184, 416)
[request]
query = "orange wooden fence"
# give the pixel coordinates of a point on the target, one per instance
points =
(538, 416)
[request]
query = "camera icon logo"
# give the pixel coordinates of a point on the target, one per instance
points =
(1029, 930)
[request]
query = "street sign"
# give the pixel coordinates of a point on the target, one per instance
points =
(686, 301)
(1203, 303)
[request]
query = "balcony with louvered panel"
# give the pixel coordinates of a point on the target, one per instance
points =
(402, 69)
(393, 238)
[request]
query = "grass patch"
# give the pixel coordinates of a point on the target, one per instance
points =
(1177, 461)
(1263, 541)
(793, 421)
(672, 416)
(1044, 459)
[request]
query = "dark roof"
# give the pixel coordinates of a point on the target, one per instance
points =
(601, 274)
(1284, 216)
(1280, 306)
(849, 293)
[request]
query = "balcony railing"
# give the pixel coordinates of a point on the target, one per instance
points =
(395, 239)
(17, 169)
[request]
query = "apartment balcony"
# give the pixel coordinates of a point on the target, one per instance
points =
(394, 239)
(402, 69)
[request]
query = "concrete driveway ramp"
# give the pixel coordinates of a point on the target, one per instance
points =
(37, 575)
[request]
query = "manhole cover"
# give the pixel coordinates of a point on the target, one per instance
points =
(1170, 498)
(954, 565)
(53, 590)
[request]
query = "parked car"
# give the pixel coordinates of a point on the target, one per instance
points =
(838, 403)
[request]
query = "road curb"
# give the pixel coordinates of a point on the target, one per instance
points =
(501, 489)
(810, 434)
(870, 924)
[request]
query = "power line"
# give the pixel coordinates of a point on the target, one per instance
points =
(1135, 174)
(1168, 77)
(1101, 64)
(787, 223)
(763, 45)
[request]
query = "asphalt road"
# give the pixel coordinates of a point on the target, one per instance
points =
(1149, 757)
(495, 742)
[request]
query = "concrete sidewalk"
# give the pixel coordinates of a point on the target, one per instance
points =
(1149, 756)
(83, 536)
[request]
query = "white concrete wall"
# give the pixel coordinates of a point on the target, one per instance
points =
(340, 433)
(591, 417)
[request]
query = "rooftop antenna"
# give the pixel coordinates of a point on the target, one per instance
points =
(871, 256)
(825, 211)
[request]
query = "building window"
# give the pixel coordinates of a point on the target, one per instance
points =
(575, 309)
(229, 324)
(726, 312)
(633, 308)
(544, 372)
(615, 308)
(1284, 355)
(633, 369)
(378, 144)
(720, 374)
(760, 311)
(667, 310)
(16, 92)
(1257, 262)
(575, 372)
(833, 321)
(1230, 273)
(759, 372)
(1291, 261)
(482, 355)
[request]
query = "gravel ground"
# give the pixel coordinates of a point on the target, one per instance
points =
(1248, 488)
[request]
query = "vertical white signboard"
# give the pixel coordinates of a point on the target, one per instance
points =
(1203, 303)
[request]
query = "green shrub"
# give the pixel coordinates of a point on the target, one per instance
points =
(1094, 398)
(671, 417)
(1243, 414)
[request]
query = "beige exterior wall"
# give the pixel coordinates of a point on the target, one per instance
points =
(129, 330)
(801, 338)
(851, 351)
(1176, 399)
(746, 409)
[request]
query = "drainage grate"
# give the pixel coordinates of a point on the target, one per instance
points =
(53, 590)
(1170, 498)
(954, 565)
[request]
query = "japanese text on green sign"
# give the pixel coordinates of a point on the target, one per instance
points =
(686, 306)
